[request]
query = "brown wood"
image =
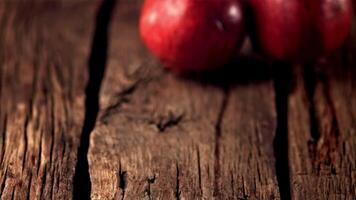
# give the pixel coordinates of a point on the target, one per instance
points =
(322, 142)
(43, 55)
(164, 137)
(227, 135)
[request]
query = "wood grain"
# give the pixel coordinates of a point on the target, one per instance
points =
(322, 132)
(43, 54)
(164, 137)
(230, 134)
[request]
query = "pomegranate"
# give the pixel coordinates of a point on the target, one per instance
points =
(300, 30)
(192, 35)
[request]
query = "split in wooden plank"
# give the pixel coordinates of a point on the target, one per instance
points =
(163, 137)
(43, 72)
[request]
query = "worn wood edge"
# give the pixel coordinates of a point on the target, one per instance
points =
(42, 104)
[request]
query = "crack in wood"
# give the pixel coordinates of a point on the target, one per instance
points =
(29, 187)
(310, 86)
(52, 177)
(40, 154)
(13, 193)
(168, 122)
(232, 182)
(177, 190)
(282, 84)
(122, 97)
(324, 127)
(258, 172)
(27, 119)
(96, 66)
(56, 180)
(3, 134)
(218, 133)
(52, 128)
(43, 180)
(2, 186)
(199, 171)
(122, 181)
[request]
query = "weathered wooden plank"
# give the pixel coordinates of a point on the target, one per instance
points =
(164, 137)
(43, 55)
(246, 144)
(322, 142)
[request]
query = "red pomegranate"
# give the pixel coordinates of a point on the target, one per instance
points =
(192, 35)
(300, 29)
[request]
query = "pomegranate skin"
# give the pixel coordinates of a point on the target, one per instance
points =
(300, 30)
(192, 35)
(335, 22)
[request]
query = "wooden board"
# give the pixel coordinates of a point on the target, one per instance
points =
(43, 73)
(238, 133)
(164, 137)
(322, 140)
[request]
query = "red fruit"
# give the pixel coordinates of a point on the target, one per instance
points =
(192, 35)
(301, 29)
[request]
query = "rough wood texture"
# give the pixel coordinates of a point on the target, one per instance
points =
(322, 139)
(43, 55)
(162, 137)
(322, 142)
(227, 135)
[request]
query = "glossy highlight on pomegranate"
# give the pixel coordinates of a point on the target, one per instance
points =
(192, 35)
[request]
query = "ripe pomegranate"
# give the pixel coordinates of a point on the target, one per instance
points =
(300, 29)
(192, 35)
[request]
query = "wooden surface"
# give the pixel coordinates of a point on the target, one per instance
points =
(163, 137)
(253, 130)
(322, 143)
(43, 54)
